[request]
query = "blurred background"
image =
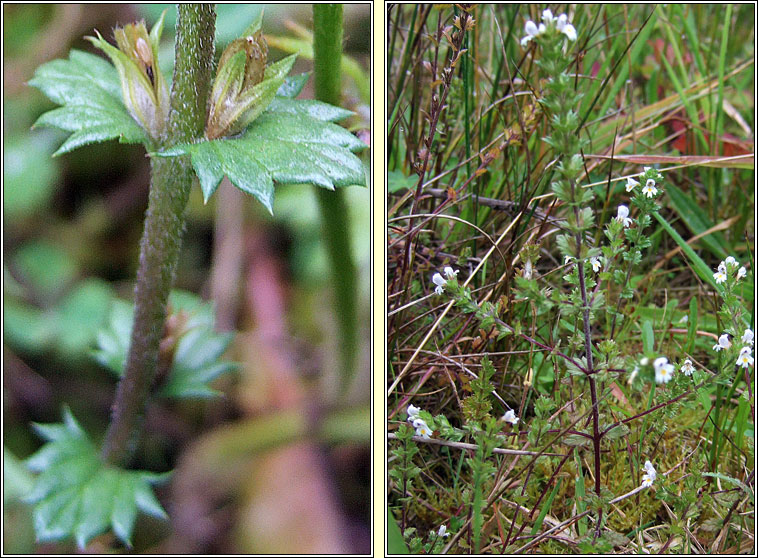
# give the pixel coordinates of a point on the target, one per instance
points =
(244, 481)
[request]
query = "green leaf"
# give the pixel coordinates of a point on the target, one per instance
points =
(293, 85)
(29, 174)
(395, 542)
(81, 314)
(576, 440)
(292, 142)
(77, 495)
(89, 90)
(45, 266)
(647, 337)
(397, 181)
(196, 355)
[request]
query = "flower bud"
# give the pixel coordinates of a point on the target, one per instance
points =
(243, 86)
(143, 86)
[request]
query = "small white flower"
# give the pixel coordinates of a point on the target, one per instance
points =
(741, 272)
(650, 469)
(567, 260)
(595, 264)
(663, 370)
(650, 190)
(440, 281)
(412, 412)
(510, 416)
(565, 27)
(644, 361)
(631, 183)
(623, 215)
(422, 429)
(731, 262)
(531, 32)
(528, 269)
(547, 17)
(722, 267)
(687, 368)
(723, 343)
(633, 375)
(649, 477)
(747, 337)
(745, 359)
(442, 531)
(684, 319)
(449, 273)
(719, 276)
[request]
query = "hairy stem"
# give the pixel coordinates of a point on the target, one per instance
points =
(596, 436)
(171, 180)
(335, 225)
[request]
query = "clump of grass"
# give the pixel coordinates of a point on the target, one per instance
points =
(565, 363)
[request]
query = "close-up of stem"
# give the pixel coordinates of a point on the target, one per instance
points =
(327, 56)
(170, 183)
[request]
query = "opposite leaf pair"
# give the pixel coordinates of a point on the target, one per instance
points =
(241, 91)
(257, 133)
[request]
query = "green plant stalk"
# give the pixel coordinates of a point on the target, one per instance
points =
(327, 54)
(171, 181)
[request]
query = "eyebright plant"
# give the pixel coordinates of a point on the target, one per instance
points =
(583, 325)
(246, 124)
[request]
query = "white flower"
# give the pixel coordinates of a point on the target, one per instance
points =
(663, 370)
(745, 359)
(422, 429)
(412, 412)
(650, 469)
(442, 531)
(747, 337)
(687, 368)
(644, 361)
(438, 280)
(528, 269)
(719, 276)
(567, 260)
(510, 416)
(741, 272)
(547, 17)
(649, 477)
(650, 190)
(731, 262)
(595, 264)
(449, 273)
(623, 215)
(565, 27)
(723, 343)
(631, 183)
(531, 32)
(722, 267)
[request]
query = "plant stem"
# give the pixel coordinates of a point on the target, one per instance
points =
(333, 208)
(171, 180)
